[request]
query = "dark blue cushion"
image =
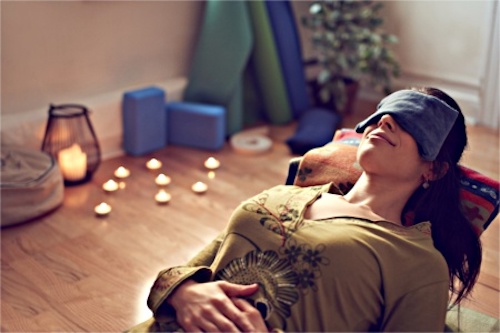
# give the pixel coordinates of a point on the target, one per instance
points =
(316, 128)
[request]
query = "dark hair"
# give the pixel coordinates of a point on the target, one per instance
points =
(452, 233)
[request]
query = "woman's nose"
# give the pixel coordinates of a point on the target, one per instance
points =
(388, 121)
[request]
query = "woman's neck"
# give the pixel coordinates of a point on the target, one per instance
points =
(381, 196)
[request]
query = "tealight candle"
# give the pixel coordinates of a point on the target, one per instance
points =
(199, 187)
(110, 186)
(102, 209)
(122, 172)
(212, 163)
(162, 197)
(153, 164)
(162, 180)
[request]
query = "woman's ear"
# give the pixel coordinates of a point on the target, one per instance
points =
(437, 170)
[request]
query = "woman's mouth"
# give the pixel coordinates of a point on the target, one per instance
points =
(382, 136)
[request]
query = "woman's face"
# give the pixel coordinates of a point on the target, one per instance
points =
(386, 148)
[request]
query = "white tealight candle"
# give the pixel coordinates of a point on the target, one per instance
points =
(162, 180)
(162, 197)
(199, 187)
(102, 209)
(122, 172)
(153, 164)
(110, 186)
(212, 163)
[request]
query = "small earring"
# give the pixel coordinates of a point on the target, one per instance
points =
(426, 184)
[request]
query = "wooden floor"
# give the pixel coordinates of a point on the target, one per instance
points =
(72, 271)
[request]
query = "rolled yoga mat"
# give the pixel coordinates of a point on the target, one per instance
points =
(266, 63)
(220, 58)
(289, 51)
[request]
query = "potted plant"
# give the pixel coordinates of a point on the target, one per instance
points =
(351, 49)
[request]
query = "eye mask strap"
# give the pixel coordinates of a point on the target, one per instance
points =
(425, 117)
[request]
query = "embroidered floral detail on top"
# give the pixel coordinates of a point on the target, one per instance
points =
(274, 218)
(306, 261)
(276, 278)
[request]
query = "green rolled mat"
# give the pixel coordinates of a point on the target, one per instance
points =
(220, 57)
(267, 67)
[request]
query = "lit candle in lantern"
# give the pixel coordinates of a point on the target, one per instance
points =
(110, 186)
(153, 164)
(212, 163)
(162, 180)
(102, 209)
(122, 172)
(73, 163)
(199, 187)
(162, 197)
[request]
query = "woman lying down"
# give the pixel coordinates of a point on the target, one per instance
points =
(308, 259)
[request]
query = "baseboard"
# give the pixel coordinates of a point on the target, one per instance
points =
(28, 128)
(467, 95)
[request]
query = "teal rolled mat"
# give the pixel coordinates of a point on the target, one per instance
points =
(252, 100)
(221, 54)
(266, 63)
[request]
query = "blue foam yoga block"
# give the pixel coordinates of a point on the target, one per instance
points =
(144, 120)
(196, 125)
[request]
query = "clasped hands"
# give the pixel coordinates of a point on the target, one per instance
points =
(216, 307)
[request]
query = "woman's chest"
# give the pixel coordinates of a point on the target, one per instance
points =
(332, 206)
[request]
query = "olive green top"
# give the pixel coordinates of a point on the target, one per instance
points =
(335, 274)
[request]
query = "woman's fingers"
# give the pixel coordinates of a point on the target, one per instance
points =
(238, 290)
(252, 320)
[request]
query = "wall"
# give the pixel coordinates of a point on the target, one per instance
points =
(445, 44)
(89, 52)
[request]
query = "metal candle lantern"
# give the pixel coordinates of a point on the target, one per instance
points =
(70, 138)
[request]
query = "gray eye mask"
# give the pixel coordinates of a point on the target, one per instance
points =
(425, 117)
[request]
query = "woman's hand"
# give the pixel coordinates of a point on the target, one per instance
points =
(216, 307)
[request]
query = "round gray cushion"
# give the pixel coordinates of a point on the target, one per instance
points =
(31, 184)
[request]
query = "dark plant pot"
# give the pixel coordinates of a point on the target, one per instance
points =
(351, 87)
